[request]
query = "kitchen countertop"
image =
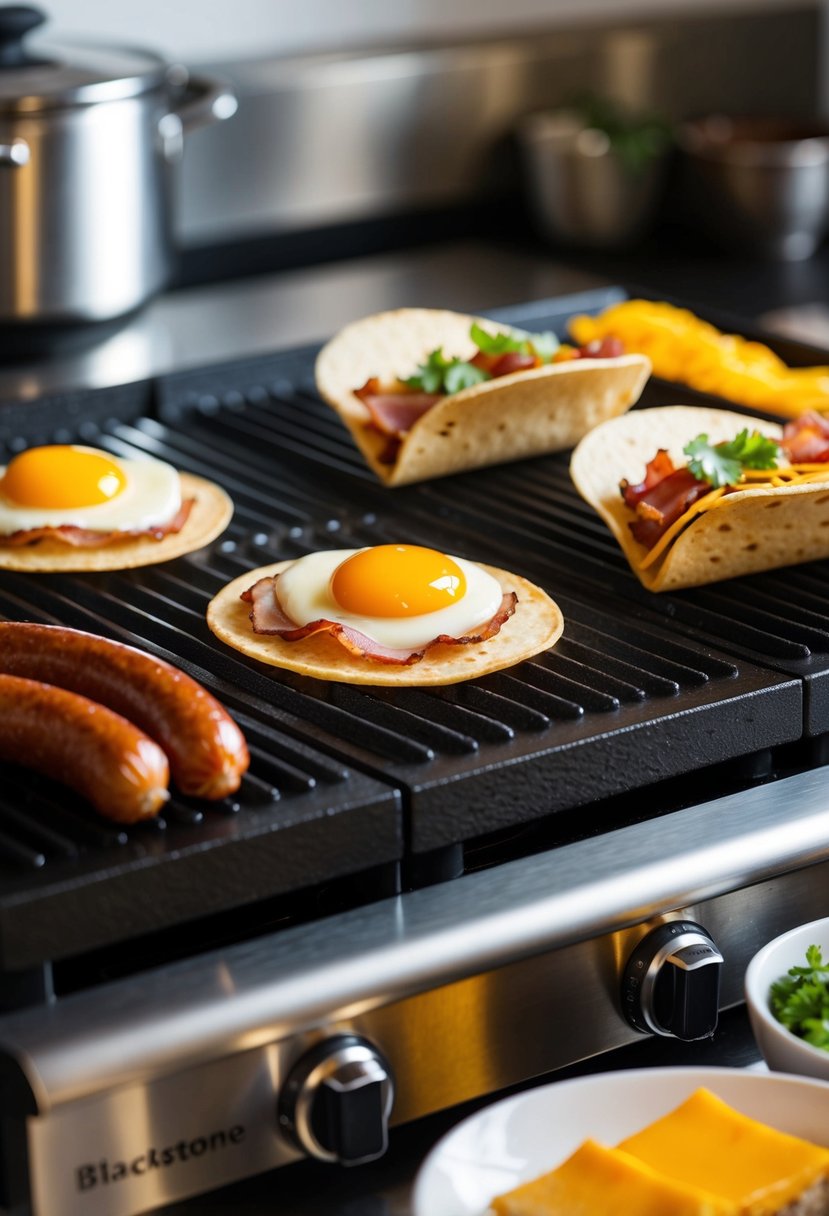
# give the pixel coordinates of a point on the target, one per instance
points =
(253, 315)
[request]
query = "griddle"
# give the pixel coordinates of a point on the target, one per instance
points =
(362, 790)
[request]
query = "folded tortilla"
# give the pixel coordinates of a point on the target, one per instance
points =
(527, 413)
(744, 532)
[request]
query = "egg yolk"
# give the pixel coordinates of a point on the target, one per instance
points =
(397, 580)
(61, 476)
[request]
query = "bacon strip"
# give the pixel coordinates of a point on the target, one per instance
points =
(806, 439)
(87, 538)
(505, 363)
(664, 495)
(655, 471)
(267, 616)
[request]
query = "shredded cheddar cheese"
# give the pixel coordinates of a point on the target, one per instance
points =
(751, 479)
(690, 351)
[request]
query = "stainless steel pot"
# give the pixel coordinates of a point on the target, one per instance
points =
(87, 138)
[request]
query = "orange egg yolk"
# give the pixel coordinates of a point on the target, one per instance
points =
(61, 476)
(397, 580)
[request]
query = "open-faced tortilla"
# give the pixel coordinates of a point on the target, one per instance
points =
(527, 413)
(211, 513)
(746, 531)
(535, 625)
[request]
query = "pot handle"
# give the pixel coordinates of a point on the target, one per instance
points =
(206, 99)
(202, 100)
(14, 154)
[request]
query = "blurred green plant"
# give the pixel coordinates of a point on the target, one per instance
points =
(637, 139)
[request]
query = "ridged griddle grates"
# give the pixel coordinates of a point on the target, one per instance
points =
(639, 689)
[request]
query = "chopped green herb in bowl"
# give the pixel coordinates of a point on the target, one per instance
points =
(787, 997)
(800, 1000)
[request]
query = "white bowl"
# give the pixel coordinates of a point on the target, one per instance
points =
(782, 1050)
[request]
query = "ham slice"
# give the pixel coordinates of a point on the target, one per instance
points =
(87, 538)
(268, 617)
(394, 413)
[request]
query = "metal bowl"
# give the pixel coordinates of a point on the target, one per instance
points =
(581, 190)
(759, 184)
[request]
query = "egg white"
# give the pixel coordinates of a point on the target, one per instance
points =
(151, 496)
(304, 591)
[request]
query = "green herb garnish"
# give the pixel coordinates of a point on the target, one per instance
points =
(723, 463)
(440, 374)
(800, 1000)
(514, 340)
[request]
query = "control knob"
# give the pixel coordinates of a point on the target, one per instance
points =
(671, 982)
(336, 1101)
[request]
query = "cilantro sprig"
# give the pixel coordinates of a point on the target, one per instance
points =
(722, 464)
(518, 340)
(442, 374)
(800, 1000)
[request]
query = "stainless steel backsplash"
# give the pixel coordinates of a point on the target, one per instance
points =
(330, 138)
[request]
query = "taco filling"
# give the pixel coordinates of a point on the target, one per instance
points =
(722, 496)
(670, 496)
(396, 406)
(442, 392)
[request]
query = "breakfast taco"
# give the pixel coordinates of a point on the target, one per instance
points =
(696, 495)
(66, 507)
(427, 392)
(393, 615)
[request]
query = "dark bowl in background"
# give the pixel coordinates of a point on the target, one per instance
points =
(758, 184)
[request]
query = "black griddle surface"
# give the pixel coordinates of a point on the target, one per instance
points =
(640, 689)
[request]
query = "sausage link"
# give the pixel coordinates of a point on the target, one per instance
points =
(97, 753)
(207, 751)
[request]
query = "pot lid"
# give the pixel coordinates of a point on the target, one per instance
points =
(44, 76)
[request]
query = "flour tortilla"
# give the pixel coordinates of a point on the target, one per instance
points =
(527, 413)
(208, 518)
(749, 531)
(535, 625)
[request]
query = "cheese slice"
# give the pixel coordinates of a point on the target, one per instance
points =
(597, 1180)
(759, 1169)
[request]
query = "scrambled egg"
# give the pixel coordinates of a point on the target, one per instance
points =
(690, 351)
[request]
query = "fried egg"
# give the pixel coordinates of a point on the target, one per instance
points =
(64, 484)
(399, 595)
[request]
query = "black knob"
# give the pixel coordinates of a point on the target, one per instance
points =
(16, 21)
(671, 983)
(336, 1101)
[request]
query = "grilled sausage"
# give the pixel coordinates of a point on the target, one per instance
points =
(206, 749)
(94, 751)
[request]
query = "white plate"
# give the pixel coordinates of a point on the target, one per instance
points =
(519, 1138)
